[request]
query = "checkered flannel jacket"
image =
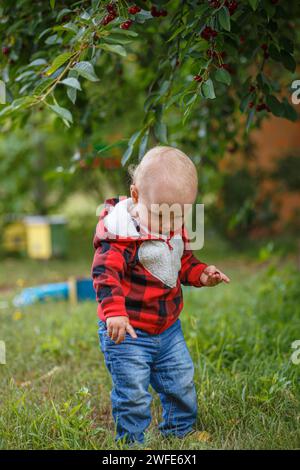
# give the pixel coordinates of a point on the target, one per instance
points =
(124, 287)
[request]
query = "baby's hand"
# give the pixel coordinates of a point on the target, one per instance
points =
(117, 327)
(211, 276)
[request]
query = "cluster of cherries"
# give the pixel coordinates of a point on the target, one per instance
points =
(199, 78)
(156, 13)
(230, 4)
(112, 14)
(133, 10)
(260, 106)
(208, 33)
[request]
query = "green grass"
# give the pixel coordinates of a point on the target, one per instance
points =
(55, 388)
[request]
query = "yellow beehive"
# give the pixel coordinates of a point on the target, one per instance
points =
(14, 237)
(46, 236)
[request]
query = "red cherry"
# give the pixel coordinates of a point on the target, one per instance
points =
(198, 78)
(251, 104)
(211, 53)
(111, 8)
(126, 24)
(163, 12)
(134, 10)
(261, 107)
(208, 33)
(215, 3)
(231, 5)
(264, 46)
(225, 67)
(108, 18)
(5, 50)
(154, 11)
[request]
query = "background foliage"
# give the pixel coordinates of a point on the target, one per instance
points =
(87, 81)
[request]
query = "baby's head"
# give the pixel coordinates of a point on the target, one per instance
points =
(162, 184)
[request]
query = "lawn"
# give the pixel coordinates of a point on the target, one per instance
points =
(55, 388)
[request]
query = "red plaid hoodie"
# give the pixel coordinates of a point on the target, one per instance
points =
(140, 276)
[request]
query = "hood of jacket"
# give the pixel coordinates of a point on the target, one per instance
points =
(116, 223)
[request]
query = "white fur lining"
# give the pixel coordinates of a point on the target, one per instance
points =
(154, 255)
(119, 222)
(160, 261)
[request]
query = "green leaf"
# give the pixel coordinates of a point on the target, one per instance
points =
(201, 45)
(72, 94)
(2, 92)
(37, 62)
(142, 16)
(208, 90)
(223, 76)
(115, 48)
(289, 111)
(164, 87)
(150, 100)
(245, 101)
(224, 18)
(134, 138)
(121, 32)
(42, 86)
(286, 44)
(67, 27)
(58, 62)
(71, 82)
(274, 53)
(62, 112)
(52, 4)
(62, 13)
(250, 119)
(143, 145)
(189, 106)
(176, 32)
(19, 103)
(275, 106)
(253, 4)
(28, 73)
(173, 99)
(101, 148)
(127, 155)
(288, 60)
(160, 131)
(86, 70)
(263, 83)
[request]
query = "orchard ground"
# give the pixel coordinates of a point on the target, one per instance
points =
(55, 388)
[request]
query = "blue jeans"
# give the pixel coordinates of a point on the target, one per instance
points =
(161, 360)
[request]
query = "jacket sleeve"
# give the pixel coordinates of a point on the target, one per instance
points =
(191, 267)
(108, 267)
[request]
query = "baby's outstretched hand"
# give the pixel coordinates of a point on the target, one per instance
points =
(211, 276)
(117, 328)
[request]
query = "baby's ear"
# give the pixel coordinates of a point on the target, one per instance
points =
(134, 193)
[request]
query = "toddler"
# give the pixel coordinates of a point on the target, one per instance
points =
(141, 259)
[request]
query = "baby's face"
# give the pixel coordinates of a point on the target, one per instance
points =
(161, 218)
(163, 213)
(161, 203)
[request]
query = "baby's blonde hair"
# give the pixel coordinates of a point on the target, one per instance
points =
(173, 163)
